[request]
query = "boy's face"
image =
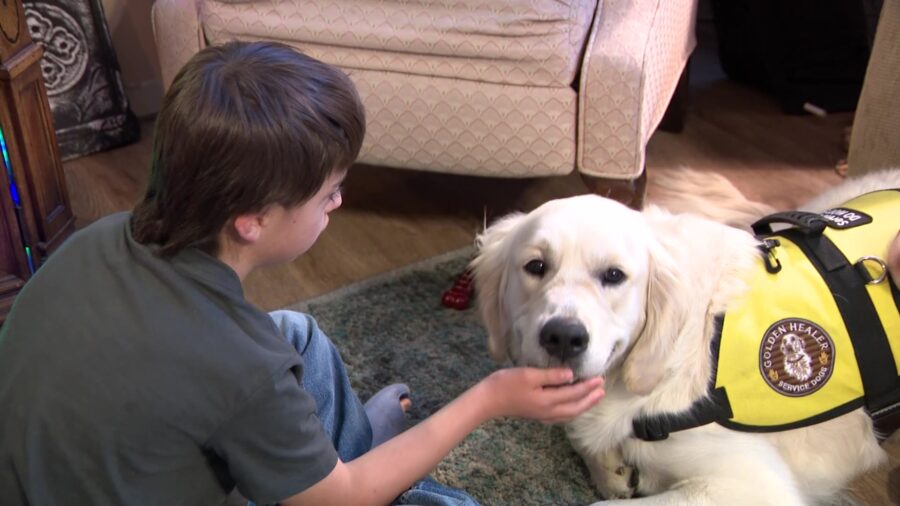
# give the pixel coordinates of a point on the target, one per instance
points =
(292, 231)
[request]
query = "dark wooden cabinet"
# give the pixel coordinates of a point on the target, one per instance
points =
(35, 214)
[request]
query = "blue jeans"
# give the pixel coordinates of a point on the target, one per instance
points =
(340, 410)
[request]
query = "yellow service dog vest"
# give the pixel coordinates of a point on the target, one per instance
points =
(818, 333)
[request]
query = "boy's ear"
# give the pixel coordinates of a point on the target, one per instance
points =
(248, 227)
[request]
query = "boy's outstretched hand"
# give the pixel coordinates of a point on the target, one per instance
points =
(545, 395)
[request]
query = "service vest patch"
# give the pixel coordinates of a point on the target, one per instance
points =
(841, 217)
(796, 357)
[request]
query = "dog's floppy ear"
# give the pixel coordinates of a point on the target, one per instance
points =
(697, 267)
(666, 311)
(489, 275)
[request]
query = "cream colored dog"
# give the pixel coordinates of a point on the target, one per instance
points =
(588, 283)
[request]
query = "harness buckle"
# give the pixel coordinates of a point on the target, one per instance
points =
(773, 265)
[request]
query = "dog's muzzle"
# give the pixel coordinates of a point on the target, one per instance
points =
(564, 338)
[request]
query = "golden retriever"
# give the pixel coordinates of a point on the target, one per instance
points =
(588, 283)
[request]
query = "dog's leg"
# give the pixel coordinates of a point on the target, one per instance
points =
(715, 492)
(697, 468)
(612, 476)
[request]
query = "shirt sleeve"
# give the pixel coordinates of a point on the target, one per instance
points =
(275, 446)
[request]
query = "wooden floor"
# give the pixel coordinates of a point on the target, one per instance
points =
(392, 218)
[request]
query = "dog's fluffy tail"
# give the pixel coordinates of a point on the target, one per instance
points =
(707, 194)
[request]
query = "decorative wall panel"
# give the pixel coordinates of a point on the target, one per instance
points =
(90, 109)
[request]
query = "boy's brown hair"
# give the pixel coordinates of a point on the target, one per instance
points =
(243, 126)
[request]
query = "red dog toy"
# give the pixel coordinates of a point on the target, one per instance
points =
(459, 296)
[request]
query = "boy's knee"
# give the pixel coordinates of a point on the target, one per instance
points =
(298, 328)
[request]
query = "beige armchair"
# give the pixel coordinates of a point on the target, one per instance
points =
(508, 88)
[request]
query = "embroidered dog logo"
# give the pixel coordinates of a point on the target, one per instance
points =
(796, 357)
(797, 363)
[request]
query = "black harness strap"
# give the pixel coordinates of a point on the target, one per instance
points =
(872, 349)
(710, 409)
(809, 223)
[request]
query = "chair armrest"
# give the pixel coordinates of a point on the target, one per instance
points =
(178, 35)
(635, 55)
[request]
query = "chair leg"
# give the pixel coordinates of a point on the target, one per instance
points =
(629, 192)
(674, 117)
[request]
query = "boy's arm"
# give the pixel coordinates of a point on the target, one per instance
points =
(386, 471)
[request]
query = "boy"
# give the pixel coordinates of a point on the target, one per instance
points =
(132, 370)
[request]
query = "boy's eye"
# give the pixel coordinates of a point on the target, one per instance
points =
(336, 194)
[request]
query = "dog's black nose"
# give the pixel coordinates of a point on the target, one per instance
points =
(564, 338)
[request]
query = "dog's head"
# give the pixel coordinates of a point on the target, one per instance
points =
(590, 284)
(793, 347)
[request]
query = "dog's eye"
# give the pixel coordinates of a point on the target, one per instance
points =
(613, 276)
(536, 267)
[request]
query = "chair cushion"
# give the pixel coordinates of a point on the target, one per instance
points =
(466, 127)
(519, 42)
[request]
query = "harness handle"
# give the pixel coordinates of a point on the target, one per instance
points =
(810, 224)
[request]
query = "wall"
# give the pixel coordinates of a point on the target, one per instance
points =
(132, 36)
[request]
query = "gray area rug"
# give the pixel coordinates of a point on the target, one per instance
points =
(393, 328)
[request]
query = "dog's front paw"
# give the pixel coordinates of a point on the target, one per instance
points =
(612, 477)
(621, 483)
